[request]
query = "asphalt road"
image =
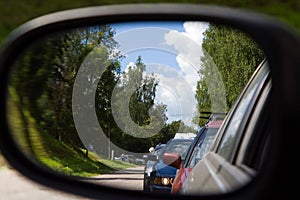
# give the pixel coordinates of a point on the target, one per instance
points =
(130, 179)
(14, 186)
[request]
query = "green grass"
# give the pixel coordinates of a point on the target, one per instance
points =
(47, 151)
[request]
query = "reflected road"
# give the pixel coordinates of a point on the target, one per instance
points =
(14, 186)
(130, 179)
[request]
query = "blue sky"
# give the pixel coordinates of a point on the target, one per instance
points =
(150, 54)
(172, 51)
(121, 27)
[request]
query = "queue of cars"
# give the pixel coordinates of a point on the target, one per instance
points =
(220, 159)
(232, 162)
(195, 153)
(167, 167)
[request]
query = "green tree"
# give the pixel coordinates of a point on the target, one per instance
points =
(134, 109)
(50, 67)
(230, 58)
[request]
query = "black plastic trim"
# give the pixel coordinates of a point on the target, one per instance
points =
(279, 42)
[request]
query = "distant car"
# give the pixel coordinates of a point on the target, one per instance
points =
(139, 161)
(131, 159)
(121, 157)
(199, 147)
(161, 176)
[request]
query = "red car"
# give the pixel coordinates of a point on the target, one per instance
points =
(196, 151)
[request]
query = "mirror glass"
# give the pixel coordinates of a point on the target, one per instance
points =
(95, 100)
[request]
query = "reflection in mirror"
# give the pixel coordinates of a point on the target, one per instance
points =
(94, 100)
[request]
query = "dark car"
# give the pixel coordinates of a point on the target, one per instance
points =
(199, 147)
(151, 159)
(161, 175)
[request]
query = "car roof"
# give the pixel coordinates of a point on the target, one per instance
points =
(159, 146)
(184, 135)
(214, 124)
(180, 140)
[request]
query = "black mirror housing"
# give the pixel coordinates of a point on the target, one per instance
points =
(280, 43)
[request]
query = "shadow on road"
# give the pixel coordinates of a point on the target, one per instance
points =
(114, 178)
(130, 178)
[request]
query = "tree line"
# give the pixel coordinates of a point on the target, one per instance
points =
(230, 58)
(45, 76)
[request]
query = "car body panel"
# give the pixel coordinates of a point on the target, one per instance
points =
(179, 179)
(222, 176)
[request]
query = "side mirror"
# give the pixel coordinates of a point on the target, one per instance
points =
(172, 159)
(66, 84)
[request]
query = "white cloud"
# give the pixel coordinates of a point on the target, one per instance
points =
(194, 30)
(180, 98)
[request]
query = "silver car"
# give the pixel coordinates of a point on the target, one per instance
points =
(241, 148)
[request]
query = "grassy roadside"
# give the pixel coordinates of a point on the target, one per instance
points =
(56, 155)
(3, 163)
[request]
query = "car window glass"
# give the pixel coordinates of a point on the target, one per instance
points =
(179, 147)
(258, 134)
(229, 140)
(202, 146)
(157, 152)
